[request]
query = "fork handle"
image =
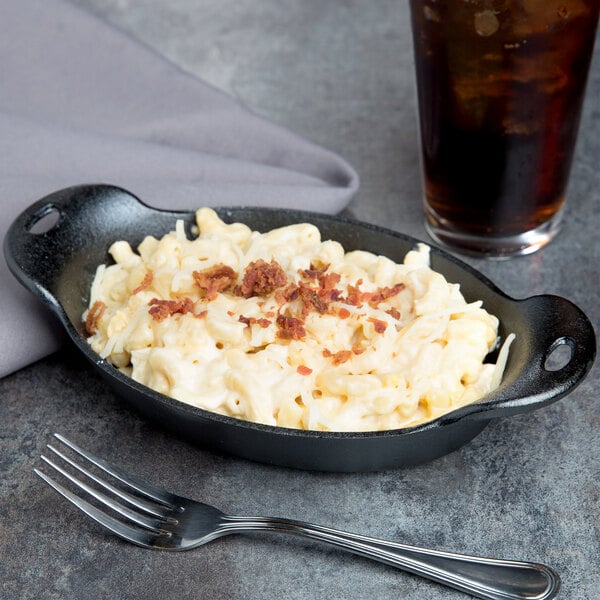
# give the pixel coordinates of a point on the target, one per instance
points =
(481, 577)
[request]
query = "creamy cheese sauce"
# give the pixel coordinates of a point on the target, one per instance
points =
(285, 329)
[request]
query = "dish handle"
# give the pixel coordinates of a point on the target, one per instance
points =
(552, 355)
(47, 234)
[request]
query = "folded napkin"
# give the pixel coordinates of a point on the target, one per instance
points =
(80, 102)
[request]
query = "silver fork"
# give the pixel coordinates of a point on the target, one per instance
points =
(155, 518)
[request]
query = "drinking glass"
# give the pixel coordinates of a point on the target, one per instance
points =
(500, 87)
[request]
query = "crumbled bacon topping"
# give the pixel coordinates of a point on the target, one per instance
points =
(327, 289)
(290, 328)
(311, 299)
(354, 296)
(315, 291)
(262, 278)
(94, 315)
(379, 325)
(384, 293)
(146, 282)
(339, 357)
(215, 279)
(394, 312)
(328, 281)
(286, 294)
(304, 370)
(161, 309)
(264, 323)
(314, 271)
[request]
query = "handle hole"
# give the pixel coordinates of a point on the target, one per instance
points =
(45, 219)
(559, 354)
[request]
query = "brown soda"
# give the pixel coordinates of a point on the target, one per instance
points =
(500, 85)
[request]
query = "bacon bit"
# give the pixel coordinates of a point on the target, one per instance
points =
(341, 357)
(230, 313)
(380, 326)
(161, 309)
(146, 282)
(332, 295)
(313, 272)
(286, 294)
(384, 293)
(343, 313)
(270, 314)
(201, 314)
(304, 370)
(93, 317)
(355, 296)
(264, 323)
(327, 291)
(262, 278)
(290, 328)
(311, 299)
(329, 281)
(215, 279)
(394, 312)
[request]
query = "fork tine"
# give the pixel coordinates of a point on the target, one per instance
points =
(159, 510)
(139, 485)
(142, 520)
(127, 532)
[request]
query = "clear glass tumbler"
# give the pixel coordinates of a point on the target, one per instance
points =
(500, 87)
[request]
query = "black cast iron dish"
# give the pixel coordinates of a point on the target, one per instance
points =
(58, 265)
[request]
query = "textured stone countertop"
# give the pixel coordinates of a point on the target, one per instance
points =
(339, 73)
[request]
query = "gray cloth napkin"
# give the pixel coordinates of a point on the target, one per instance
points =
(80, 102)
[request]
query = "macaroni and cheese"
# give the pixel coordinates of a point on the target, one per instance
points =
(285, 329)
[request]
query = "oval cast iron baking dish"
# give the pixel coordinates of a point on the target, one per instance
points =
(58, 266)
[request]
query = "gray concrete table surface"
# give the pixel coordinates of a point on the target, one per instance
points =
(340, 73)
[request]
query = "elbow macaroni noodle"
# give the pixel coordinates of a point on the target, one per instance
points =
(284, 329)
